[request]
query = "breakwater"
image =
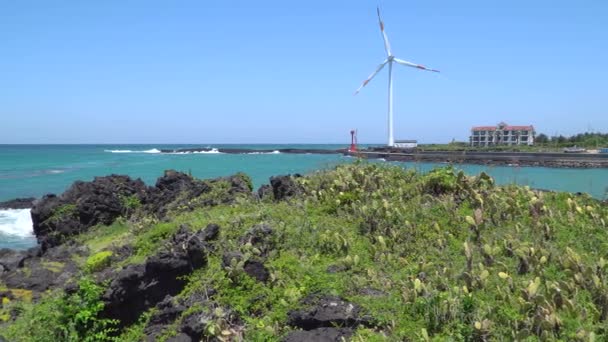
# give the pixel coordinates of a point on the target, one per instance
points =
(546, 159)
(578, 160)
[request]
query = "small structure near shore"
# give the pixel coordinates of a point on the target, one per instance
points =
(406, 143)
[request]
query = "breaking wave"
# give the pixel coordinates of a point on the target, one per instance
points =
(16, 222)
(273, 152)
(211, 151)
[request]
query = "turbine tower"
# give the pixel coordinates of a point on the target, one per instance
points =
(389, 60)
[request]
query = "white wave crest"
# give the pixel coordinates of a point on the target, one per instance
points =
(273, 152)
(212, 151)
(154, 150)
(16, 222)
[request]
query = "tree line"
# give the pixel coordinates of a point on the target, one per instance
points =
(587, 139)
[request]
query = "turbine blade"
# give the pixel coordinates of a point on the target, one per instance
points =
(371, 76)
(414, 65)
(387, 45)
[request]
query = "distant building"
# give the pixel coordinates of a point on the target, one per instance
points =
(406, 143)
(502, 134)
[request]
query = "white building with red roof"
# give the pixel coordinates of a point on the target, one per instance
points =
(502, 134)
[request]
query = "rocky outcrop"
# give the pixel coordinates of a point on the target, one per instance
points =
(29, 270)
(11, 260)
(284, 187)
(18, 203)
(83, 205)
(321, 316)
(172, 190)
(140, 287)
(176, 190)
(265, 191)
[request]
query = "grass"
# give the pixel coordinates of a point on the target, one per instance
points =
(451, 257)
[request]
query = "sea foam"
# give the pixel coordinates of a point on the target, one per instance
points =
(212, 151)
(16, 222)
(273, 152)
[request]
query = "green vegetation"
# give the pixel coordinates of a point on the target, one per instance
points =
(542, 143)
(130, 203)
(450, 257)
(587, 140)
(98, 261)
(60, 317)
(66, 210)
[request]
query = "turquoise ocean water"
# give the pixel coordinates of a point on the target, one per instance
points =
(34, 170)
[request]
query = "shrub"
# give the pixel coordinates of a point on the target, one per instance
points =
(61, 317)
(98, 261)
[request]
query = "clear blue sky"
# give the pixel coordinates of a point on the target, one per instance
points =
(285, 71)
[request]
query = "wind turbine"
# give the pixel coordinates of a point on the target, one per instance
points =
(389, 60)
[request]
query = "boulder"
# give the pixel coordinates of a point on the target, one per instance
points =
(326, 311)
(18, 203)
(181, 337)
(194, 324)
(11, 259)
(171, 308)
(284, 187)
(253, 268)
(256, 270)
(83, 205)
(265, 191)
(140, 287)
(167, 311)
(319, 335)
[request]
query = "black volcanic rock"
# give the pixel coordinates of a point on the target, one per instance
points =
(284, 187)
(326, 319)
(265, 191)
(83, 205)
(326, 311)
(31, 271)
(177, 190)
(18, 203)
(140, 287)
(320, 335)
(170, 187)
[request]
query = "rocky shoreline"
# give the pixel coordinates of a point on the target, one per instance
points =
(136, 288)
(533, 159)
(18, 203)
(555, 160)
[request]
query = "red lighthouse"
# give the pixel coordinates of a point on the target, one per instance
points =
(353, 141)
